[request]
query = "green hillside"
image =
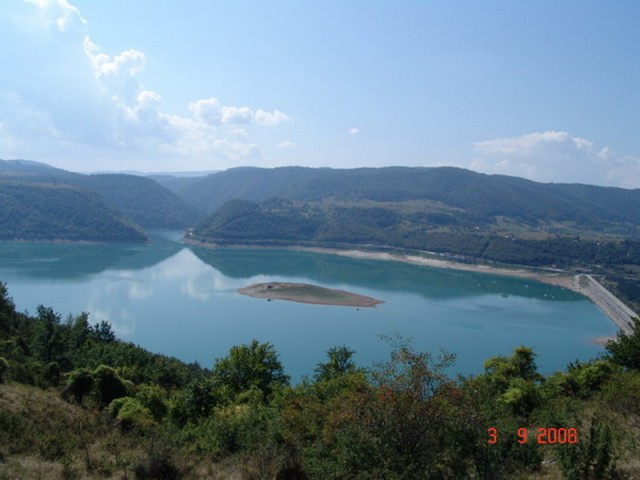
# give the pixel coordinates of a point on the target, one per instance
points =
(409, 226)
(141, 199)
(60, 212)
(448, 195)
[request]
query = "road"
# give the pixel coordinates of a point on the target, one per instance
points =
(617, 311)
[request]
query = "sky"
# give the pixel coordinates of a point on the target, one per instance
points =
(546, 90)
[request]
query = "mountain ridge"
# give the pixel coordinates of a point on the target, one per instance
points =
(478, 196)
(141, 199)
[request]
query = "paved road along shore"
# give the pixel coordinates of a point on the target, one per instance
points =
(617, 311)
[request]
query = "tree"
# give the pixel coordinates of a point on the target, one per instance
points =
(339, 363)
(152, 397)
(199, 399)
(48, 343)
(79, 330)
(108, 385)
(7, 309)
(103, 333)
(593, 457)
(409, 421)
(79, 384)
(246, 366)
(4, 368)
(131, 413)
(625, 350)
(514, 380)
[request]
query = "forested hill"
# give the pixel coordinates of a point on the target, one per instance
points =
(32, 211)
(141, 199)
(461, 195)
(286, 222)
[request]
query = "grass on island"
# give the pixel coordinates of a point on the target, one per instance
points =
(305, 293)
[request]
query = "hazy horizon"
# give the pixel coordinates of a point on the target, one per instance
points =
(541, 90)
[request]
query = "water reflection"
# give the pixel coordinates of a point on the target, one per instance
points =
(77, 260)
(374, 274)
(183, 302)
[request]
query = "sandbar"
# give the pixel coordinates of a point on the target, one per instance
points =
(305, 293)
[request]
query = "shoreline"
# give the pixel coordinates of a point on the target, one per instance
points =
(584, 284)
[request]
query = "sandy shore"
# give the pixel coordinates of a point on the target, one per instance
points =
(305, 293)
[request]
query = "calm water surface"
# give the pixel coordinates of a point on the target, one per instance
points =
(182, 301)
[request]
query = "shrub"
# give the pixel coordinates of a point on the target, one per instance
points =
(4, 368)
(108, 385)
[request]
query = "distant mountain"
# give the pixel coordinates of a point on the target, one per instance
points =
(141, 199)
(34, 211)
(24, 165)
(444, 196)
(446, 210)
(28, 170)
(402, 226)
(175, 184)
(249, 183)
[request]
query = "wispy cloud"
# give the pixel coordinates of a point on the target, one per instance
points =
(354, 131)
(96, 102)
(59, 14)
(556, 156)
(286, 144)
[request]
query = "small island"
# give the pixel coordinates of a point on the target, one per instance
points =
(305, 293)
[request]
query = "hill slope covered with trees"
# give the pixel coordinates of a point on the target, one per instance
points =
(140, 199)
(60, 212)
(450, 195)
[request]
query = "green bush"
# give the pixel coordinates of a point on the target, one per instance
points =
(4, 369)
(130, 413)
(152, 398)
(108, 385)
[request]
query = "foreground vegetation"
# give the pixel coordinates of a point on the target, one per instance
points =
(75, 402)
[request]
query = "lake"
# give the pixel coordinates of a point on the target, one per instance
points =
(182, 301)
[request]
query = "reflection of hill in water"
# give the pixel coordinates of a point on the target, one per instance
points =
(375, 274)
(74, 260)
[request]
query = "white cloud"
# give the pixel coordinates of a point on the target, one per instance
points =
(207, 110)
(59, 14)
(556, 156)
(270, 119)
(236, 115)
(354, 131)
(210, 111)
(129, 62)
(285, 144)
(95, 105)
(532, 143)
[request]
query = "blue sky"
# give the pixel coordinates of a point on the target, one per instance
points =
(544, 90)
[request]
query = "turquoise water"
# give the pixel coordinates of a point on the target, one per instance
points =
(182, 301)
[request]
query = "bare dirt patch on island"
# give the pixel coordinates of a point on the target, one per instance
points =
(305, 293)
